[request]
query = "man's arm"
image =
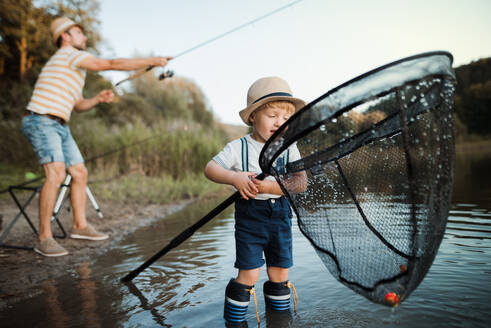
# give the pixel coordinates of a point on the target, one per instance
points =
(105, 96)
(92, 63)
(240, 180)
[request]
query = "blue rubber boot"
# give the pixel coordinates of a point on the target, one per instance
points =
(277, 295)
(237, 297)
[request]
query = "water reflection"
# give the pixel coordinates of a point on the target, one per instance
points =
(144, 304)
(72, 301)
(186, 287)
(88, 296)
(54, 310)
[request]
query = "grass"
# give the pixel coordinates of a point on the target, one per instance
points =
(154, 190)
(163, 163)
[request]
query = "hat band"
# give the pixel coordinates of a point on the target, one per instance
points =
(274, 94)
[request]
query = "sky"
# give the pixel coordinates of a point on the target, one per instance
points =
(315, 45)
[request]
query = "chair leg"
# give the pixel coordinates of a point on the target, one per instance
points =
(60, 202)
(22, 212)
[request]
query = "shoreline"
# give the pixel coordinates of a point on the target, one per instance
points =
(483, 146)
(22, 272)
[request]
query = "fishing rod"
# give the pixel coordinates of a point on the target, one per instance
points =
(183, 236)
(235, 29)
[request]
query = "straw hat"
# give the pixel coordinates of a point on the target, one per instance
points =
(265, 90)
(60, 25)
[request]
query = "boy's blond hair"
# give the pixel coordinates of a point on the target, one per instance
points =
(282, 104)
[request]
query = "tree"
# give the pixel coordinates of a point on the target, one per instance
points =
(26, 45)
(473, 96)
(176, 97)
(25, 42)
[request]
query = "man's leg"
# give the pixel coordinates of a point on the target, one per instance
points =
(55, 174)
(78, 195)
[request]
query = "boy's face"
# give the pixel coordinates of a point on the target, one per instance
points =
(266, 121)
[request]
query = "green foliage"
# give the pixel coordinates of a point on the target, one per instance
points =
(25, 44)
(174, 148)
(151, 144)
(177, 97)
(15, 150)
(161, 189)
(24, 39)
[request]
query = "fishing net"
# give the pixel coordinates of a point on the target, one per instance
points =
(372, 190)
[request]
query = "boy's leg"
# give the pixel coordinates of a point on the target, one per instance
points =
(237, 295)
(277, 274)
(248, 277)
(277, 289)
(279, 257)
(250, 237)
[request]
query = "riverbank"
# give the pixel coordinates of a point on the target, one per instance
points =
(22, 272)
(473, 146)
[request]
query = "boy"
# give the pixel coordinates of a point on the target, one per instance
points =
(262, 215)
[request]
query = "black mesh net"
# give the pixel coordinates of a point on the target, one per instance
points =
(372, 189)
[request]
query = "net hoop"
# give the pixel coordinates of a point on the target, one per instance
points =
(424, 65)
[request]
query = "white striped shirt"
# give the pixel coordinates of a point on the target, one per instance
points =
(60, 84)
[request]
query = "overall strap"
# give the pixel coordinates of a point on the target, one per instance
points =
(282, 161)
(245, 155)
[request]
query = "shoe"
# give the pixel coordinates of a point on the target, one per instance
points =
(88, 233)
(49, 247)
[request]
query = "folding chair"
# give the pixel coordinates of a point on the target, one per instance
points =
(60, 202)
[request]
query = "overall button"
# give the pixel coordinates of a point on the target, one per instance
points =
(273, 201)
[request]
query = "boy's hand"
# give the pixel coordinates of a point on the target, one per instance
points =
(243, 183)
(263, 186)
(267, 186)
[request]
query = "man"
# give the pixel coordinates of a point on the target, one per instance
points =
(57, 92)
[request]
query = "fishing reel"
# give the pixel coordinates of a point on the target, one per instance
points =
(166, 74)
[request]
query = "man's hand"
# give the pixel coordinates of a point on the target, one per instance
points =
(161, 61)
(105, 96)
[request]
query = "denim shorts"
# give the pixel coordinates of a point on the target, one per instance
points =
(263, 226)
(52, 142)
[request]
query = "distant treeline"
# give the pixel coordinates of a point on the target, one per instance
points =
(147, 106)
(473, 96)
(169, 123)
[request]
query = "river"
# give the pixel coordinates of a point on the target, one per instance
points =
(186, 287)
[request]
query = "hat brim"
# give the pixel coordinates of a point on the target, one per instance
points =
(246, 113)
(55, 37)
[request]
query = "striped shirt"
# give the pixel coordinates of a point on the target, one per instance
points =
(60, 84)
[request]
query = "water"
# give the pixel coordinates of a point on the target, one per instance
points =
(186, 287)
